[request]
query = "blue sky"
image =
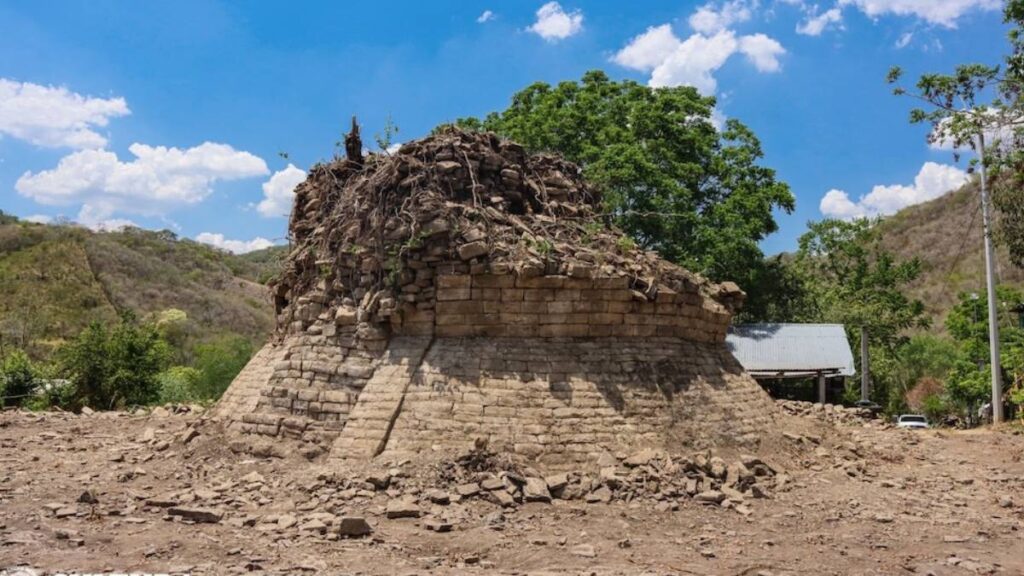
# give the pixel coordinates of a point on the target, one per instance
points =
(172, 115)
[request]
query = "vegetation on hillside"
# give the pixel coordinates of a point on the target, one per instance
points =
(114, 319)
(57, 279)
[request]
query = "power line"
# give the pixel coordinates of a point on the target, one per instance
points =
(959, 253)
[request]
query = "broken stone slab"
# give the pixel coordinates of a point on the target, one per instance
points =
(286, 521)
(641, 458)
(501, 498)
(65, 512)
(536, 490)
(471, 250)
(314, 525)
(710, 497)
(602, 495)
(557, 482)
(492, 484)
(204, 515)
(437, 496)
(402, 509)
(437, 525)
(467, 490)
(354, 527)
(584, 550)
(379, 481)
(189, 435)
(162, 502)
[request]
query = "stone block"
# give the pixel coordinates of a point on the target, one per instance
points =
(539, 295)
(512, 294)
(450, 294)
(494, 281)
(460, 307)
(486, 294)
(454, 281)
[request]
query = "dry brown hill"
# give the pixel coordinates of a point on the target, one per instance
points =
(54, 280)
(946, 234)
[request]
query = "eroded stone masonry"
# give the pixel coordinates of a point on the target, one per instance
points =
(463, 291)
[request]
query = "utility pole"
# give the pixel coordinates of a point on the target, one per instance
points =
(993, 319)
(865, 364)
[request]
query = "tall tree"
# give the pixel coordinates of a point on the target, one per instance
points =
(669, 177)
(968, 380)
(978, 107)
(852, 280)
(857, 282)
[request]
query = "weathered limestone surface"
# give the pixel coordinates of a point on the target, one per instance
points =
(557, 401)
(462, 289)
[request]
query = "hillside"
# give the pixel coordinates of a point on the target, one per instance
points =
(56, 279)
(946, 234)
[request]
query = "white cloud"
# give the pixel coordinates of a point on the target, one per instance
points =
(553, 23)
(999, 133)
(709, 19)
(487, 16)
(158, 180)
(236, 246)
(55, 117)
(675, 62)
(99, 220)
(904, 39)
(941, 12)
(762, 51)
(816, 23)
(38, 219)
(932, 181)
(279, 191)
(649, 49)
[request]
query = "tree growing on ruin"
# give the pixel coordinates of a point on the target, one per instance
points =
(670, 178)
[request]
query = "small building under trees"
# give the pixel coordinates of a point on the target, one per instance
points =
(797, 361)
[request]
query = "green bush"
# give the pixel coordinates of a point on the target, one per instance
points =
(935, 408)
(18, 379)
(218, 362)
(178, 385)
(55, 394)
(117, 367)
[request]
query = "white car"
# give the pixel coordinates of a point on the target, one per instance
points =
(915, 421)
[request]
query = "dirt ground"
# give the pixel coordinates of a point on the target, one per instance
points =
(95, 494)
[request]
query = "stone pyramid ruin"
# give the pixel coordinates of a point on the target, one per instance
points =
(460, 292)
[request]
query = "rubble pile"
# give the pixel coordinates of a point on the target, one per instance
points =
(831, 413)
(649, 476)
(374, 233)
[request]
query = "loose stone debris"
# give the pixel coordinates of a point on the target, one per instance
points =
(826, 498)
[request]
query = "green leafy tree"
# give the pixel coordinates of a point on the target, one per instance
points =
(115, 367)
(18, 379)
(852, 280)
(969, 381)
(669, 178)
(859, 283)
(218, 362)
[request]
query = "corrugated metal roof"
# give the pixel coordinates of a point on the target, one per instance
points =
(765, 349)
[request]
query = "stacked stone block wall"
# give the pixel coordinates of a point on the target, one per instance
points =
(492, 305)
(557, 401)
